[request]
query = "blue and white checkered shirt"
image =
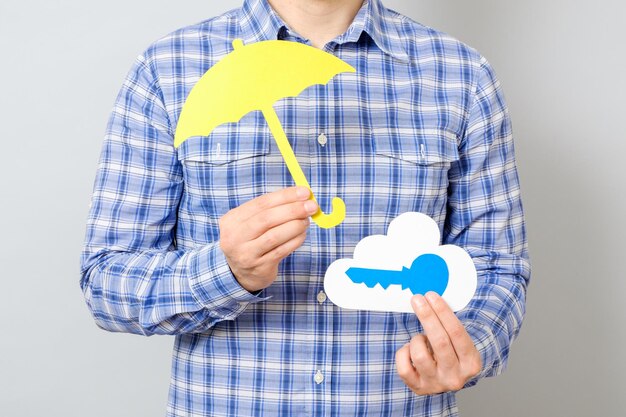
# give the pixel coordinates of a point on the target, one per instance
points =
(421, 126)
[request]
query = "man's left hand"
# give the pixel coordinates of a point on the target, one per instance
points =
(442, 359)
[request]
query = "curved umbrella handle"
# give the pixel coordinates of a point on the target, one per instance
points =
(336, 216)
(325, 221)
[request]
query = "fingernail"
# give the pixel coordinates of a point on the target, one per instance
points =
(419, 301)
(310, 207)
(432, 296)
(303, 193)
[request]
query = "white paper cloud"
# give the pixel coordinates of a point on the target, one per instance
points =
(409, 236)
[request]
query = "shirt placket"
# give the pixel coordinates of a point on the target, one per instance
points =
(322, 136)
(312, 377)
(305, 155)
(314, 131)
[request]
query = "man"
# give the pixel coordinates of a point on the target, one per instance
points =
(210, 242)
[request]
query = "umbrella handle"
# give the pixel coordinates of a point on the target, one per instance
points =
(332, 219)
(323, 220)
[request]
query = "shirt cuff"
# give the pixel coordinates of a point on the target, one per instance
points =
(485, 343)
(214, 286)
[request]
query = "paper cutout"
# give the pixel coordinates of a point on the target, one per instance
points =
(387, 270)
(429, 272)
(254, 77)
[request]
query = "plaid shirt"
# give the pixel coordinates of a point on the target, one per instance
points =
(421, 126)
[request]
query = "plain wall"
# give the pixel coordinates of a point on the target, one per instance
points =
(561, 64)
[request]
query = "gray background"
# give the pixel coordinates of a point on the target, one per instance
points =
(562, 67)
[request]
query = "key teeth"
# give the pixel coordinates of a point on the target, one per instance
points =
(370, 283)
(384, 285)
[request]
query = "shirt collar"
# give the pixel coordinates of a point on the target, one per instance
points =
(260, 22)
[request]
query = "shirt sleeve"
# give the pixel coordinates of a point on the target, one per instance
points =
(485, 217)
(133, 277)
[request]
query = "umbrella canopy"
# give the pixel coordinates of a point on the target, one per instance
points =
(253, 77)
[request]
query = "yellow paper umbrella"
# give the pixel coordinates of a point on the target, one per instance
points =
(254, 77)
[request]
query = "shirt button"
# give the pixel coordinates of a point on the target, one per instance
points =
(321, 297)
(319, 377)
(322, 139)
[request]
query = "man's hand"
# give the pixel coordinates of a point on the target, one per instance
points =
(260, 233)
(444, 358)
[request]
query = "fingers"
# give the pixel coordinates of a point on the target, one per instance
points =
(263, 222)
(461, 341)
(279, 236)
(422, 357)
(444, 358)
(270, 200)
(443, 351)
(260, 233)
(282, 251)
(405, 368)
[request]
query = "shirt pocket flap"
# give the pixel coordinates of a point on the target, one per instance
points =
(420, 149)
(225, 144)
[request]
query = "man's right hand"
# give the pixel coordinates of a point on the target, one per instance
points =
(260, 233)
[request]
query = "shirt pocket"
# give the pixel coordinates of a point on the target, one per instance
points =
(223, 169)
(415, 166)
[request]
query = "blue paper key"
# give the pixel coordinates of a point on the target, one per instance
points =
(429, 272)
